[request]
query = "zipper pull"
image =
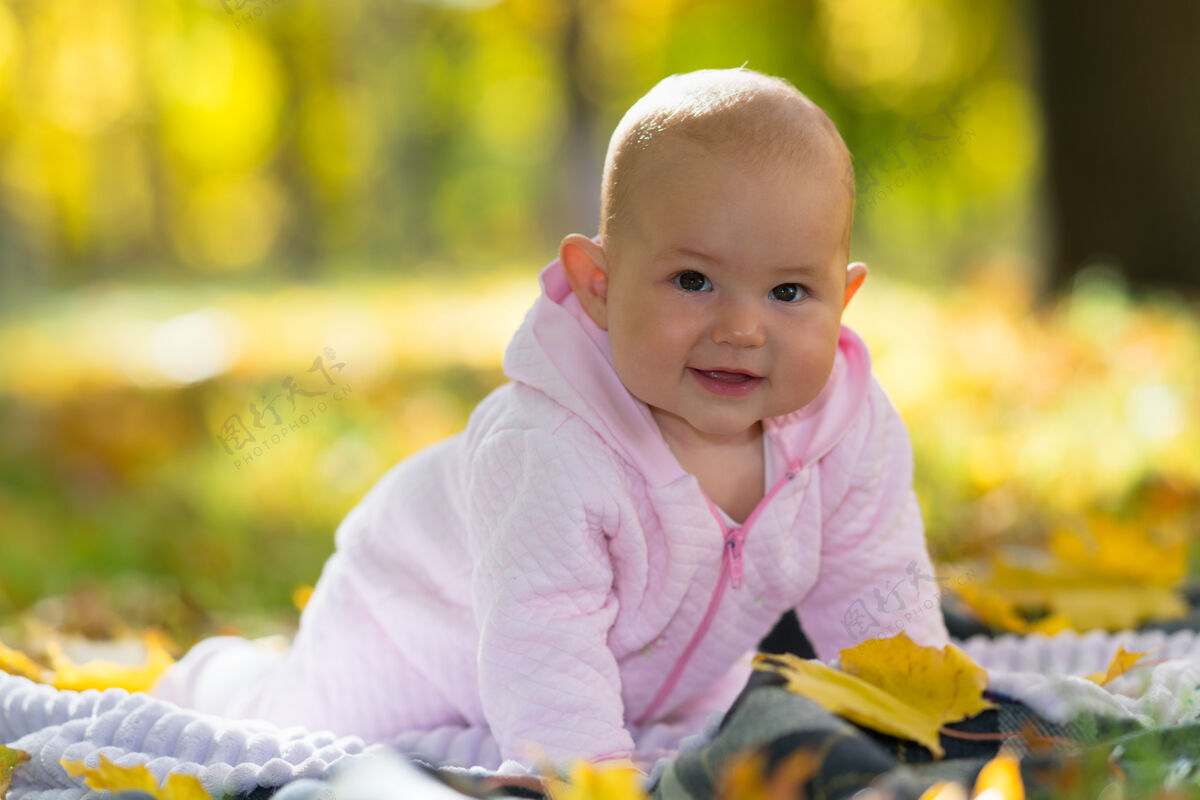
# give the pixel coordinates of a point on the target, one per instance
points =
(737, 538)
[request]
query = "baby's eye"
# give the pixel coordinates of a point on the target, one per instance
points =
(692, 281)
(788, 292)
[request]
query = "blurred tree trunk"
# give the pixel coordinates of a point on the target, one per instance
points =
(1120, 90)
(580, 213)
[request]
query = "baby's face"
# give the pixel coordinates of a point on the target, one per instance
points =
(725, 291)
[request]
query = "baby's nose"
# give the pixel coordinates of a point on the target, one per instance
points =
(739, 325)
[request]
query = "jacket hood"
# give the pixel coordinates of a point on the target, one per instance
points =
(559, 351)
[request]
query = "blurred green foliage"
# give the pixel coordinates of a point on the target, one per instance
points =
(186, 139)
(198, 199)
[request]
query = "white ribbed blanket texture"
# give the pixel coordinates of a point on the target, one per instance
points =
(237, 756)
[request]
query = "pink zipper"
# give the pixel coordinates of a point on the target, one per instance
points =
(731, 567)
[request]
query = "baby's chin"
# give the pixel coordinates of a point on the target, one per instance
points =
(716, 427)
(735, 425)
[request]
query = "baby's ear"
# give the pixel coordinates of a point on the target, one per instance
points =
(587, 272)
(856, 273)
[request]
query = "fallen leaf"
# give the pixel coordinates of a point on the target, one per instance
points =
(301, 595)
(943, 682)
(14, 662)
(105, 674)
(991, 608)
(10, 759)
(1000, 779)
(855, 699)
(944, 790)
(1113, 547)
(1055, 623)
(1111, 607)
(1077, 598)
(588, 781)
(1121, 661)
(113, 778)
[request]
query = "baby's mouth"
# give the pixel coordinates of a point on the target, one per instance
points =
(726, 382)
(728, 377)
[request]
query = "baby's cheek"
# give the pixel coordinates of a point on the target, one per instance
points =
(634, 368)
(809, 366)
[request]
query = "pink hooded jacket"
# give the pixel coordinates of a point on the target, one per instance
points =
(553, 576)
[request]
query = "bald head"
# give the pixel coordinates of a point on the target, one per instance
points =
(756, 118)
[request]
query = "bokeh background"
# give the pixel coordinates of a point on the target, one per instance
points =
(254, 252)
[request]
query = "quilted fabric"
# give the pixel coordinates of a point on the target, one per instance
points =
(553, 576)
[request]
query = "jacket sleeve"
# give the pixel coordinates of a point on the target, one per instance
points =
(875, 576)
(543, 597)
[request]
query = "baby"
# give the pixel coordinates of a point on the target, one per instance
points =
(690, 445)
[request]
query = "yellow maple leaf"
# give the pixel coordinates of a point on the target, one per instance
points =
(105, 674)
(1111, 607)
(855, 699)
(1055, 623)
(944, 682)
(63, 673)
(1116, 548)
(1121, 661)
(1078, 597)
(588, 781)
(990, 608)
(113, 778)
(10, 759)
(1000, 779)
(944, 790)
(990, 603)
(14, 662)
(301, 595)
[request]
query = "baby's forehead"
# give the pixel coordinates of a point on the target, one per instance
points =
(760, 128)
(698, 151)
(761, 122)
(680, 164)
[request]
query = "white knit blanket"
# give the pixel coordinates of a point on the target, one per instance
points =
(237, 756)
(1047, 674)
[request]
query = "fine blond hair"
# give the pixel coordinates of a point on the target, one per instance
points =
(759, 118)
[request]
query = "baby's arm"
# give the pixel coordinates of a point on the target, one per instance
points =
(875, 577)
(543, 598)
